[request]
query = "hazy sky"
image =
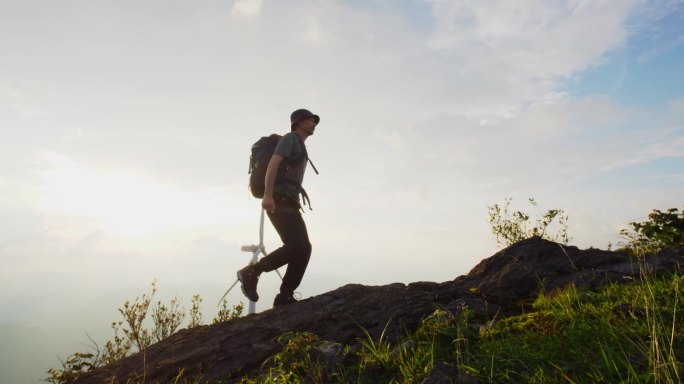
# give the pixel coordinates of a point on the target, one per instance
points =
(126, 128)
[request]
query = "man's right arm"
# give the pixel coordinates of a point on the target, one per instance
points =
(267, 202)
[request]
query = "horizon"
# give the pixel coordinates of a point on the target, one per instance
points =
(127, 126)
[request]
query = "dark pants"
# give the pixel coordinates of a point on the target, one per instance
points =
(296, 250)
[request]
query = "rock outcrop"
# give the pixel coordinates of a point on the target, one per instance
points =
(505, 282)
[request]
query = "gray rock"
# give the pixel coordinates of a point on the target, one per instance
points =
(480, 308)
(328, 353)
(514, 276)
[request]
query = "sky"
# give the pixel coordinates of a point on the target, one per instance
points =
(126, 128)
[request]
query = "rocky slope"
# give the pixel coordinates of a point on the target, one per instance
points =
(503, 283)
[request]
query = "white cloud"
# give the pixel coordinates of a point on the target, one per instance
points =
(393, 139)
(313, 34)
(536, 37)
(658, 50)
(529, 46)
(550, 144)
(18, 103)
(677, 106)
(670, 145)
(247, 8)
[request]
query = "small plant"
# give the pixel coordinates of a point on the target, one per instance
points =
(167, 319)
(295, 357)
(511, 227)
(294, 363)
(115, 349)
(662, 230)
(196, 312)
(134, 313)
(132, 334)
(73, 368)
(225, 313)
(440, 337)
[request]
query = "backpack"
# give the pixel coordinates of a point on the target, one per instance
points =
(262, 151)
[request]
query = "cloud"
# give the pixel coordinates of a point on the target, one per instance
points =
(660, 49)
(247, 8)
(550, 144)
(15, 102)
(393, 139)
(670, 145)
(677, 106)
(538, 38)
(528, 48)
(314, 32)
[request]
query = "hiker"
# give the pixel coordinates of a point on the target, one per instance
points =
(283, 185)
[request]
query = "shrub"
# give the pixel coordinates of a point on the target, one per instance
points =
(662, 230)
(131, 334)
(511, 227)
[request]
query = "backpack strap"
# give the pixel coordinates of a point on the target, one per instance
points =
(306, 153)
(305, 198)
(312, 164)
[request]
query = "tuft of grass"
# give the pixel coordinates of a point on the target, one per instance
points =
(623, 334)
(620, 334)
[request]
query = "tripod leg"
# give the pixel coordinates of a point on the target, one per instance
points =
(261, 228)
(255, 257)
(225, 294)
(263, 252)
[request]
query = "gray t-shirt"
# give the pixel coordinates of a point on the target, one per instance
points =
(291, 148)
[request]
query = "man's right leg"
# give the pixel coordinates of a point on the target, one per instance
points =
(296, 249)
(295, 252)
(249, 277)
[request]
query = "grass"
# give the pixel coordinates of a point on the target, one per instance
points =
(628, 333)
(624, 333)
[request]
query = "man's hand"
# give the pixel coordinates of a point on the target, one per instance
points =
(268, 204)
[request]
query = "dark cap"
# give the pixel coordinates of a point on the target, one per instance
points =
(301, 114)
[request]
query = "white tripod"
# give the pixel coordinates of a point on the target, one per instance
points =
(256, 251)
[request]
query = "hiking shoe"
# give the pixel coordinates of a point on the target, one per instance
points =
(283, 299)
(248, 282)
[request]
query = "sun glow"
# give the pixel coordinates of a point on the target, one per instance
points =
(129, 204)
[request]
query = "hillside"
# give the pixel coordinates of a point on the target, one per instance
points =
(501, 285)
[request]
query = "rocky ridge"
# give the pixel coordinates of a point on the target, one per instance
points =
(504, 283)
